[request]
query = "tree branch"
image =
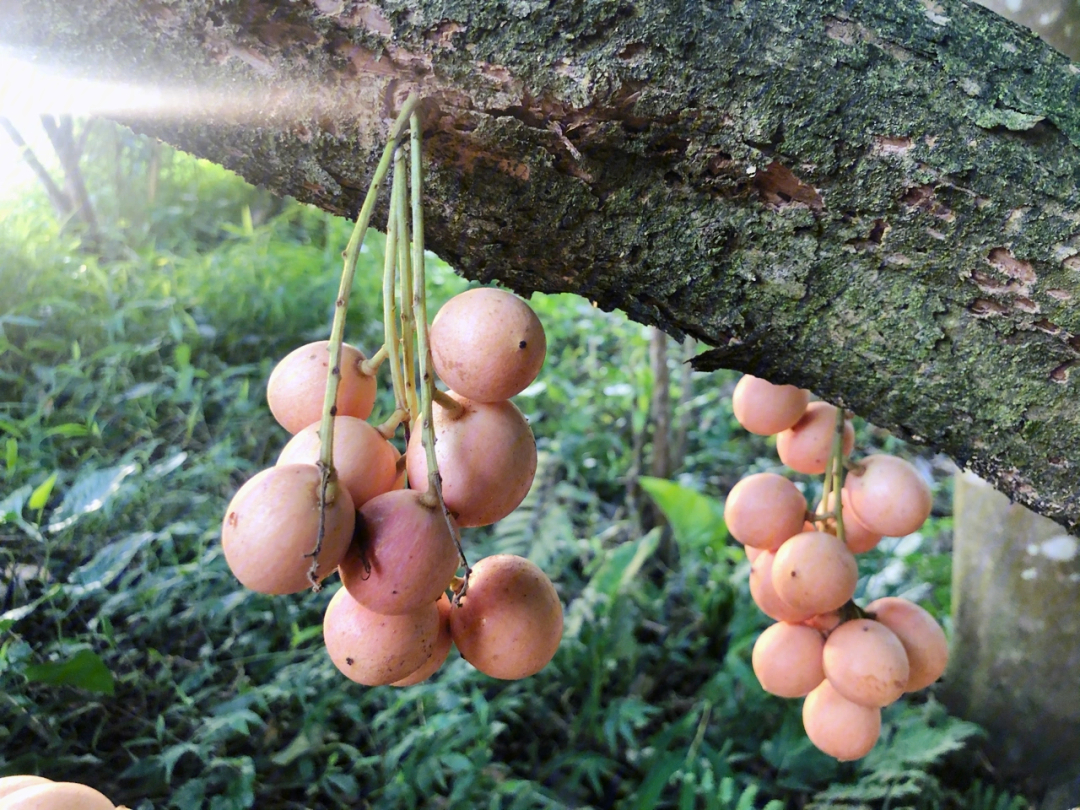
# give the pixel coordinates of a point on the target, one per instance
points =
(876, 200)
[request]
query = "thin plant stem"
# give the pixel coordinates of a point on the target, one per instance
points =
(836, 465)
(328, 485)
(371, 365)
(405, 265)
(428, 391)
(392, 342)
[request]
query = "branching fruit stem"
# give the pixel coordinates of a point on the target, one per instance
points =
(428, 391)
(328, 485)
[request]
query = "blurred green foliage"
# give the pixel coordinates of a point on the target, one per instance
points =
(131, 407)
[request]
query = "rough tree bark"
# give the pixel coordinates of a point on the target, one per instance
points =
(876, 200)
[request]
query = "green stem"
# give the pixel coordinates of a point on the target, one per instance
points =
(390, 330)
(328, 487)
(371, 365)
(428, 391)
(408, 318)
(836, 464)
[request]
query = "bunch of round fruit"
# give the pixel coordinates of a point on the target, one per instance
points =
(39, 793)
(397, 549)
(847, 661)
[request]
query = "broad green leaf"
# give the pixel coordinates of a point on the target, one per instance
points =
(182, 355)
(12, 506)
(12, 453)
(41, 493)
(88, 494)
(84, 669)
(622, 564)
(697, 520)
(70, 430)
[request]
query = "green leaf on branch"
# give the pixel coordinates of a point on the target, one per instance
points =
(40, 496)
(89, 494)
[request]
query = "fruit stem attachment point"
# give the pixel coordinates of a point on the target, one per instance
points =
(370, 366)
(455, 410)
(834, 476)
(388, 428)
(428, 391)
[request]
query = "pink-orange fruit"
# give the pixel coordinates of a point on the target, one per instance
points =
(764, 510)
(404, 556)
(857, 537)
(888, 495)
(764, 408)
(752, 553)
(56, 796)
(814, 573)
(365, 461)
(763, 592)
(806, 445)
(923, 639)
(510, 621)
(866, 663)
(443, 643)
(373, 649)
(487, 344)
(10, 784)
(272, 524)
(486, 456)
(787, 659)
(297, 386)
(837, 726)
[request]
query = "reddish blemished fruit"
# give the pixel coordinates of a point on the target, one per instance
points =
(486, 456)
(888, 495)
(509, 623)
(377, 650)
(764, 408)
(866, 663)
(272, 524)
(805, 446)
(487, 344)
(814, 573)
(787, 659)
(837, 726)
(365, 462)
(297, 386)
(404, 555)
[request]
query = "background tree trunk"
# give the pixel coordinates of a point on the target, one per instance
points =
(1015, 660)
(877, 201)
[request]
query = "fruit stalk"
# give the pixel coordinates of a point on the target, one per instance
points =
(405, 265)
(327, 488)
(428, 392)
(389, 292)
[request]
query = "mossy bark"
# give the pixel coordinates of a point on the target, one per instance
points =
(875, 200)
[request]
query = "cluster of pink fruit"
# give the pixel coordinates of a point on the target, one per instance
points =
(396, 549)
(847, 661)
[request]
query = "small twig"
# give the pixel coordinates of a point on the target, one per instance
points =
(455, 410)
(371, 365)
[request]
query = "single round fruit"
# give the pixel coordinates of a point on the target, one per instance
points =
(509, 623)
(764, 510)
(373, 649)
(837, 726)
(443, 643)
(487, 344)
(10, 784)
(888, 495)
(365, 462)
(272, 524)
(923, 639)
(404, 555)
(787, 659)
(764, 408)
(866, 663)
(805, 446)
(814, 573)
(297, 386)
(486, 456)
(763, 592)
(56, 796)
